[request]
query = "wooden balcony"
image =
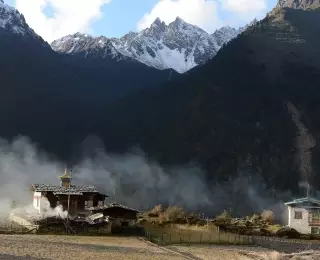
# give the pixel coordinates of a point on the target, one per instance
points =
(314, 221)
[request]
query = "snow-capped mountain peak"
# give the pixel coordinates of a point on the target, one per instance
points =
(13, 21)
(88, 46)
(178, 45)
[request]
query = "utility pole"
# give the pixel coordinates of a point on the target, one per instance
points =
(68, 198)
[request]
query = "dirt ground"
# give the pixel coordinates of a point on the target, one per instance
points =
(227, 252)
(32, 247)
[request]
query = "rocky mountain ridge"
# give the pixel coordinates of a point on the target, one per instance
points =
(178, 45)
(12, 20)
(299, 4)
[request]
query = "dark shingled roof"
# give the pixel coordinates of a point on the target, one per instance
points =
(58, 190)
(112, 205)
(67, 193)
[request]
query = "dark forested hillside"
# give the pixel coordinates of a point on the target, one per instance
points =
(232, 111)
(53, 98)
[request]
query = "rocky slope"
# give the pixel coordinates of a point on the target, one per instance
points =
(88, 46)
(13, 21)
(178, 45)
(299, 4)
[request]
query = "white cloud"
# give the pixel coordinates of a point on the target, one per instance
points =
(199, 12)
(69, 16)
(207, 14)
(244, 6)
(242, 12)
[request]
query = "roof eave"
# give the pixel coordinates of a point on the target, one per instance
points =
(302, 200)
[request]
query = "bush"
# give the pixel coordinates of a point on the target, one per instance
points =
(162, 217)
(288, 232)
(268, 216)
(155, 211)
(225, 215)
(223, 219)
(174, 213)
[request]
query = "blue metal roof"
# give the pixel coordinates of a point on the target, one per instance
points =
(303, 200)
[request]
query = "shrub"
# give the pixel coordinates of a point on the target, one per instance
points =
(155, 211)
(268, 216)
(174, 213)
(162, 217)
(225, 215)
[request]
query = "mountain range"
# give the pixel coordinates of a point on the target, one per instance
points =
(59, 92)
(231, 115)
(246, 110)
(178, 45)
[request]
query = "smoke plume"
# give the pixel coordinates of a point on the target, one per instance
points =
(131, 179)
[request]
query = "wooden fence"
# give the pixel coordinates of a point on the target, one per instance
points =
(171, 236)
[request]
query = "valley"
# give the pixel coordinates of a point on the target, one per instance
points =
(219, 105)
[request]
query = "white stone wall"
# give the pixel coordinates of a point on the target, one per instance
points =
(37, 201)
(301, 225)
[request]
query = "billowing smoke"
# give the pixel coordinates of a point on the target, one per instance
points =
(45, 208)
(131, 179)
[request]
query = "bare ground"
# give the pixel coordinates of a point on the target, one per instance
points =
(227, 252)
(32, 247)
(22, 247)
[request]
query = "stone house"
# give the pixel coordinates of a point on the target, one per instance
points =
(74, 198)
(304, 215)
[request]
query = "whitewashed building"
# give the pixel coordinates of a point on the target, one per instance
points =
(304, 215)
(74, 198)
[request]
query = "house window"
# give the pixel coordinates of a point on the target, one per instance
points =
(298, 214)
(86, 204)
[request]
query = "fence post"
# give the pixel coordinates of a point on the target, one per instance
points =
(210, 239)
(189, 237)
(162, 238)
(219, 237)
(170, 238)
(201, 238)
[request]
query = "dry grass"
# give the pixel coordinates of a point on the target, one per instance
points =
(34, 247)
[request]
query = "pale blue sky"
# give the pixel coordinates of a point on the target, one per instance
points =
(121, 16)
